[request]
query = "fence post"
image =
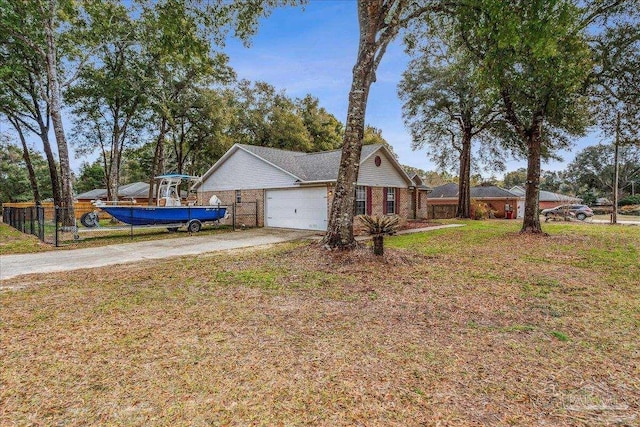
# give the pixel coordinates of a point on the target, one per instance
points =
(55, 225)
(32, 211)
(256, 219)
(233, 214)
(40, 212)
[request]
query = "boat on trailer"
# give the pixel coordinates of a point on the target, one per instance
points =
(169, 209)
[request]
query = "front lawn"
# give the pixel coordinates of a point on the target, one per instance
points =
(475, 325)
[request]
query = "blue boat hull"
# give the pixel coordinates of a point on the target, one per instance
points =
(149, 215)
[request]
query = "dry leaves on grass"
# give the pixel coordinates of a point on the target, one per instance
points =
(471, 334)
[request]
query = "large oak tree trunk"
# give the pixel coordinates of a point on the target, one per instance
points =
(531, 222)
(464, 184)
(340, 228)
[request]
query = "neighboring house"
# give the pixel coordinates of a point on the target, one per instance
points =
(138, 191)
(295, 190)
(547, 199)
(443, 200)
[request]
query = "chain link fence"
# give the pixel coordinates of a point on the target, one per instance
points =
(57, 226)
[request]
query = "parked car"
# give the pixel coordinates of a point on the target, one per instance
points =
(581, 212)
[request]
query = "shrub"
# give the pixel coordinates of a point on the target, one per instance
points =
(630, 210)
(377, 227)
(630, 200)
(480, 210)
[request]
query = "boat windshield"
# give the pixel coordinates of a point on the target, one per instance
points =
(168, 194)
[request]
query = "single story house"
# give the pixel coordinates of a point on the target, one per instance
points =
(547, 198)
(295, 190)
(443, 200)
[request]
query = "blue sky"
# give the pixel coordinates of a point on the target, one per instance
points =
(313, 50)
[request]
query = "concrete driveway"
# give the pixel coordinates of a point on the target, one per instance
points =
(75, 259)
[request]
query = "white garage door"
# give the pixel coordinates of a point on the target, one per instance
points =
(520, 213)
(304, 208)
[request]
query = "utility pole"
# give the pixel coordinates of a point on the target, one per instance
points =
(616, 173)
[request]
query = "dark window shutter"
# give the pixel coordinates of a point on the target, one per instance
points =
(397, 207)
(367, 203)
(384, 200)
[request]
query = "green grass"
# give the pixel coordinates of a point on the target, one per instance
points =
(13, 241)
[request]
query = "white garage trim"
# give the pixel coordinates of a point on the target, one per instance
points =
(302, 208)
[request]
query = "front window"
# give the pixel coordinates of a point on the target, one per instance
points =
(361, 200)
(238, 196)
(391, 201)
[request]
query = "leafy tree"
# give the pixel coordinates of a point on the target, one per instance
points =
(592, 169)
(178, 39)
(536, 55)
(445, 108)
(200, 131)
(109, 96)
(616, 81)
(26, 156)
(22, 85)
(15, 183)
(92, 176)
(380, 21)
(266, 117)
(269, 118)
(137, 162)
(513, 178)
(37, 27)
(554, 181)
(435, 179)
(181, 62)
(324, 129)
(617, 84)
(373, 135)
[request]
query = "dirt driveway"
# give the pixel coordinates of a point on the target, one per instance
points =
(46, 262)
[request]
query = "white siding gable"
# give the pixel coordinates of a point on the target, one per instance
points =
(244, 171)
(385, 175)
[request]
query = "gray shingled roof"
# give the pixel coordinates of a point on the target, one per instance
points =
(490, 191)
(322, 166)
(450, 191)
(445, 191)
(546, 196)
(134, 190)
(96, 193)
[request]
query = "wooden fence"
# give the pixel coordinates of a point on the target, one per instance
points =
(80, 208)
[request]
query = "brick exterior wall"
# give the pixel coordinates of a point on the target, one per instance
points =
(446, 208)
(377, 209)
(245, 212)
(420, 201)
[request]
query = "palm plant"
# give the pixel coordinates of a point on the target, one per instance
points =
(377, 227)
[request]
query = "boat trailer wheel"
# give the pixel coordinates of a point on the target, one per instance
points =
(194, 226)
(90, 219)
